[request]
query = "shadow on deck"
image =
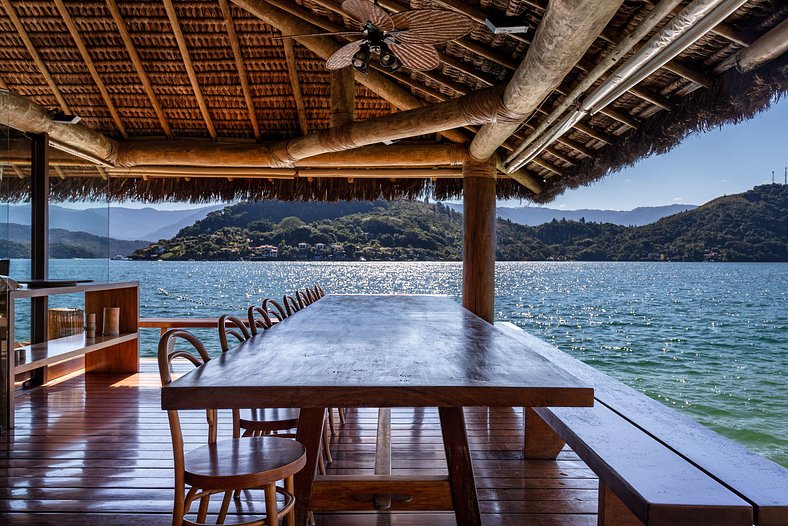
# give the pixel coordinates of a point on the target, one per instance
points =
(97, 451)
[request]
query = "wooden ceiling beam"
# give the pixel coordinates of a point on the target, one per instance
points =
(240, 65)
(3, 85)
(72, 29)
(724, 29)
(131, 49)
(292, 72)
(187, 62)
(31, 49)
(24, 115)
(567, 31)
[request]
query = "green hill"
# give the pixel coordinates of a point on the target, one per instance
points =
(746, 227)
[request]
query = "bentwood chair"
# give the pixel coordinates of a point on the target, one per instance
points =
(273, 420)
(226, 465)
(255, 422)
(274, 308)
(303, 298)
(291, 305)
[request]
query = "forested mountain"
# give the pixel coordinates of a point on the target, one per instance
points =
(15, 243)
(745, 227)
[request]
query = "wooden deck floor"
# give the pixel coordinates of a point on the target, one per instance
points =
(97, 451)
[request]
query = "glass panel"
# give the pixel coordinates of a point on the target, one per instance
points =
(79, 236)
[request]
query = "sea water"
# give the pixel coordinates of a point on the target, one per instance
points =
(708, 339)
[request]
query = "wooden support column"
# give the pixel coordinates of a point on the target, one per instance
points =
(478, 252)
(39, 240)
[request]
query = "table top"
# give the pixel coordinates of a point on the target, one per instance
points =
(378, 351)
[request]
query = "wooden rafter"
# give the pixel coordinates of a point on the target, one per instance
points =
(187, 62)
(131, 49)
(72, 28)
(20, 30)
(235, 44)
(59, 171)
(3, 85)
(292, 73)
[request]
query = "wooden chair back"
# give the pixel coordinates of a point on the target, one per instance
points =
(311, 294)
(258, 319)
(303, 298)
(233, 326)
(274, 308)
(197, 356)
(291, 305)
(319, 292)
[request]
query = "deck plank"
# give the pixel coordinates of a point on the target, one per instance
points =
(97, 451)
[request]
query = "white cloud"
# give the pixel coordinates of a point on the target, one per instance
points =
(725, 181)
(677, 199)
(562, 206)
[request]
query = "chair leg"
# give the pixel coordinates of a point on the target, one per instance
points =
(290, 488)
(203, 510)
(271, 510)
(331, 420)
(225, 505)
(342, 415)
(321, 465)
(327, 445)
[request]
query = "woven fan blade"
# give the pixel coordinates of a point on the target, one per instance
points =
(365, 11)
(344, 55)
(419, 57)
(431, 26)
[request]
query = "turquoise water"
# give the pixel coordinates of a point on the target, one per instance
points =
(707, 339)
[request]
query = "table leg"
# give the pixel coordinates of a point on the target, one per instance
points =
(458, 458)
(310, 431)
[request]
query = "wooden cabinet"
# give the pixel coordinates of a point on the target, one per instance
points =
(52, 358)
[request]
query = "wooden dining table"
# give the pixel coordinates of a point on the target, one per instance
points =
(381, 351)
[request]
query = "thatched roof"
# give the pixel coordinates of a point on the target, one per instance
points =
(254, 98)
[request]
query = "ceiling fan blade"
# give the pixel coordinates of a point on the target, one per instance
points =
(365, 11)
(340, 33)
(431, 26)
(344, 55)
(419, 57)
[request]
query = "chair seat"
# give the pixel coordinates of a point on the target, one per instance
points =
(269, 419)
(243, 463)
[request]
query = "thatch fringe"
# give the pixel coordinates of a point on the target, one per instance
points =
(207, 190)
(733, 98)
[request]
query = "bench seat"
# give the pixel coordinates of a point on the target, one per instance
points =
(757, 480)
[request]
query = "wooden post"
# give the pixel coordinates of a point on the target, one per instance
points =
(478, 252)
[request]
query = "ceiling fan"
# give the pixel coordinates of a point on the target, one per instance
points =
(401, 39)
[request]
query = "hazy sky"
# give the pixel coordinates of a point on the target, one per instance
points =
(705, 166)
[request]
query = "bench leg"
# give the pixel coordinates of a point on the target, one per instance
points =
(541, 442)
(613, 512)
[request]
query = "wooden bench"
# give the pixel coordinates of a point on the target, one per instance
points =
(655, 465)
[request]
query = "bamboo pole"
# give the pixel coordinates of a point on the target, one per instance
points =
(768, 47)
(27, 116)
(567, 31)
(478, 249)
